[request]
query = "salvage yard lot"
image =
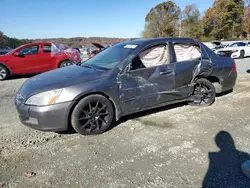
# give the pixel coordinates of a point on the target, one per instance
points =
(166, 147)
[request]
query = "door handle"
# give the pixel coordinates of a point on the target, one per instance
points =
(166, 72)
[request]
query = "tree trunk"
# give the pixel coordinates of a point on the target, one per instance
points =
(233, 31)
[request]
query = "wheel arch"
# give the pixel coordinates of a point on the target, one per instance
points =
(59, 64)
(8, 69)
(116, 109)
(215, 81)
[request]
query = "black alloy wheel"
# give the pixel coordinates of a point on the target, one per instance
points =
(205, 91)
(92, 115)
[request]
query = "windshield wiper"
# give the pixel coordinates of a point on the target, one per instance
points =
(88, 66)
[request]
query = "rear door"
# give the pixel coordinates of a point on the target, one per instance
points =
(47, 59)
(144, 84)
(188, 57)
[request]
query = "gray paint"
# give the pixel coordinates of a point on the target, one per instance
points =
(129, 91)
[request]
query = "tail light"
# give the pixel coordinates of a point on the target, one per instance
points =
(234, 66)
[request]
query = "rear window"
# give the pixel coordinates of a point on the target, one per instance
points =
(186, 52)
(47, 48)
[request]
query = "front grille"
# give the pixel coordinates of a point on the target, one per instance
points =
(225, 53)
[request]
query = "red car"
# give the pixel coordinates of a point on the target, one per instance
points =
(37, 57)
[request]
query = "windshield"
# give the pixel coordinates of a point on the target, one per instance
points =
(109, 58)
(216, 43)
(238, 44)
(14, 49)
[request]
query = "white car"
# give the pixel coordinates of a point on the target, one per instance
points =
(235, 50)
(214, 45)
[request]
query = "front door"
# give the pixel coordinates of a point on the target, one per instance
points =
(142, 87)
(28, 60)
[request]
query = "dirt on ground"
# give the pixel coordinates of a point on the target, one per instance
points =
(175, 146)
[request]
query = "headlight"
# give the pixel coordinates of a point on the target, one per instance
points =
(45, 98)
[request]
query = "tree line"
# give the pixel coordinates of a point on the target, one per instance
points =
(226, 19)
(76, 42)
(8, 42)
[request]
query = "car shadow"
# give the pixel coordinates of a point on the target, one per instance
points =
(15, 77)
(132, 116)
(143, 113)
(224, 93)
(69, 131)
(225, 165)
(146, 112)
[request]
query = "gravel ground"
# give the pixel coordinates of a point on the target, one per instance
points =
(167, 147)
(243, 64)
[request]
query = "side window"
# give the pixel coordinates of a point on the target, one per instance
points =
(47, 48)
(150, 57)
(29, 50)
(186, 52)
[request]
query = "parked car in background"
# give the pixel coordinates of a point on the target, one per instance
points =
(84, 51)
(4, 51)
(214, 45)
(235, 50)
(96, 51)
(126, 78)
(37, 58)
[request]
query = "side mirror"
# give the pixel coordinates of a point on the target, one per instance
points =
(16, 54)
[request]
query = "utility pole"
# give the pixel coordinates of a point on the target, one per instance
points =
(181, 28)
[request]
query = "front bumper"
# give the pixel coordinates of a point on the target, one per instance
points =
(228, 54)
(45, 118)
(235, 55)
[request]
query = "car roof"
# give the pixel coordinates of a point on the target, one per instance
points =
(155, 40)
(42, 42)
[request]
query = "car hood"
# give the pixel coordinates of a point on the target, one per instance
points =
(4, 57)
(59, 78)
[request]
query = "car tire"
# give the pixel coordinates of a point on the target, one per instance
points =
(4, 73)
(242, 54)
(205, 91)
(93, 115)
(65, 63)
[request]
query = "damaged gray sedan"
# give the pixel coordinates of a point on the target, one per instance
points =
(129, 77)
